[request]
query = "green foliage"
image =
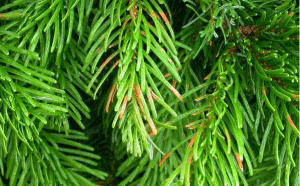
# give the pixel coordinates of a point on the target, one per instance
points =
(40, 91)
(188, 92)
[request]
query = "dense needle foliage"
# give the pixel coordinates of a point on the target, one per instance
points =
(167, 92)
